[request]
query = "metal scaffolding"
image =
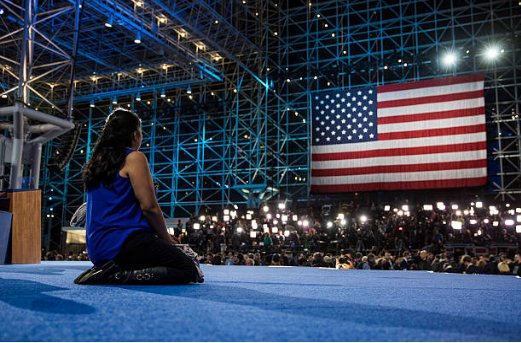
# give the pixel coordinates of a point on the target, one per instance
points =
(224, 87)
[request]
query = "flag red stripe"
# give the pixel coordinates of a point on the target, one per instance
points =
(402, 168)
(430, 99)
(431, 83)
(381, 186)
(400, 151)
(433, 132)
(468, 112)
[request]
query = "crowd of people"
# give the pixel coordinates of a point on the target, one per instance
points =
(422, 260)
(437, 237)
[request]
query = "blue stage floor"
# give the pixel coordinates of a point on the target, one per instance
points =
(40, 303)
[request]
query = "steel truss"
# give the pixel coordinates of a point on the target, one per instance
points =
(242, 134)
(220, 145)
(337, 44)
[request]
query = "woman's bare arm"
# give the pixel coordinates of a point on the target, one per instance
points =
(137, 170)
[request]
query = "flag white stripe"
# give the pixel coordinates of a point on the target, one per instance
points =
(400, 177)
(400, 143)
(428, 108)
(402, 160)
(431, 124)
(430, 91)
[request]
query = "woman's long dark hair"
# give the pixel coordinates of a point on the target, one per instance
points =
(109, 152)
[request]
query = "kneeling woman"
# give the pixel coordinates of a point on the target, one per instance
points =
(127, 240)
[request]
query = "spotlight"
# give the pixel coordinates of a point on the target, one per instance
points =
(92, 103)
(456, 225)
(138, 38)
(492, 53)
(197, 226)
(110, 19)
(449, 59)
(163, 94)
(114, 100)
(138, 96)
(189, 90)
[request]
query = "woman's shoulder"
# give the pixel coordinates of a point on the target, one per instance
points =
(135, 160)
(136, 157)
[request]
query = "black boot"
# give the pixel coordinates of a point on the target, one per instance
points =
(97, 276)
(149, 276)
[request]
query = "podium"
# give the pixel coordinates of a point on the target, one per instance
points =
(26, 229)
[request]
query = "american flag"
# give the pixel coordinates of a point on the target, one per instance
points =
(413, 135)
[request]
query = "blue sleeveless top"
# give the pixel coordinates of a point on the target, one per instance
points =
(112, 215)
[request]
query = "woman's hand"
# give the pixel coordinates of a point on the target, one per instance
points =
(174, 240)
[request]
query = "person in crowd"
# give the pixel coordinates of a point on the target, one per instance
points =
(467, 266)
(127, 239)
(503, 265)
(516, 265)
(424, 262)
(491, 267)
(365, 263)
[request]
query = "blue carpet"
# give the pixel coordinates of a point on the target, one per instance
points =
(40, 303)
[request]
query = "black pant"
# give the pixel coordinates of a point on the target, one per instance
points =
(143, 249)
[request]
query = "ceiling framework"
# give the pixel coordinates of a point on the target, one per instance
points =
(340, 44)
(224, 87)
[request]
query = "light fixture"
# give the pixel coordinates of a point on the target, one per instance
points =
(109, 21)
(92, 103)
(138, 38)
(138, 96)
(163, 94)
(449, 59)
(189, 90)
(491, 53)
(114, 100)
(456, 225)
